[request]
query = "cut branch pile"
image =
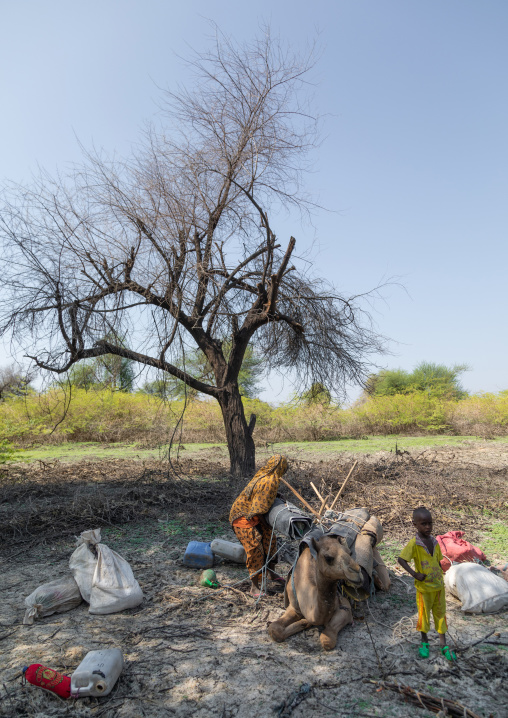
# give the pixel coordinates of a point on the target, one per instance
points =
(68, 499)
(391, 488)
(45, 500)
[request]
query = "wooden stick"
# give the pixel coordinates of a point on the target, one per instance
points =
(317, 492)
(323, 504)
(307, 505)
(342, 487)
(230, 588)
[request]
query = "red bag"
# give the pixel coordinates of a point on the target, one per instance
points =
(49, 679)
(454, 548)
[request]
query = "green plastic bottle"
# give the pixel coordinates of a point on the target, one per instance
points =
(209, 579)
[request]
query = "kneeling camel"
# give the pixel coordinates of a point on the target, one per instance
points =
(317, 601)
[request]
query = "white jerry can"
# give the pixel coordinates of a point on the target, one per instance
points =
(97, 673)
(227, 549)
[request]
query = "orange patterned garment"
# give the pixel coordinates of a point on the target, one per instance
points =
(260, 545)
(258, 496)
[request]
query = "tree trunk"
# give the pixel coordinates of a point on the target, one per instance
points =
(242, 453)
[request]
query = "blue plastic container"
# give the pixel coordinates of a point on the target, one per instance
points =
(198, 555)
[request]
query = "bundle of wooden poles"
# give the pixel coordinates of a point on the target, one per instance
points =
(324, 502)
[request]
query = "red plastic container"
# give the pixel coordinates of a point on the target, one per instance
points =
(47, 678)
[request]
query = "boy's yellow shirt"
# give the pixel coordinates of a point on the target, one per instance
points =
(425, 563)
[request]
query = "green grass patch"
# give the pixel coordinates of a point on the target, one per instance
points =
(147, 537)
(178, 529)
(85, 450)
(495, 543)
(8, 452)
(390, 551)
(492, 649)
(371, 444)
(78, 451)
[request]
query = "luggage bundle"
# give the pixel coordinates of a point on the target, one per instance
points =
(100, 576)
(456, 549)
(288, 519)
(479, 589)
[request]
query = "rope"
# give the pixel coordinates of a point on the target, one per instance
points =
(292, 572)
(353, 523)
(401, 630)
(232, 585)
(269, 559)
(262, 570)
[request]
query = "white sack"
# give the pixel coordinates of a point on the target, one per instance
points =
(84, 560)
(479, 590)
(54, 597)
(114, 587)
(105, 579)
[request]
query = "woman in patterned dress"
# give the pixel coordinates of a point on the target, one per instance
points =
(249, 523)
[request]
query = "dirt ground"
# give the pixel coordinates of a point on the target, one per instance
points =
(191, 651)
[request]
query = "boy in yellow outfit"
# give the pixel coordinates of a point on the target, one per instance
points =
(430, 592)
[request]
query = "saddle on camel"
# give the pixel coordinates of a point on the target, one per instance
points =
(334, 565)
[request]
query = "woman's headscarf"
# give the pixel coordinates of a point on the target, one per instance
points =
(277, 464)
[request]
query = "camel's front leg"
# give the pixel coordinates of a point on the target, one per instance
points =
(342, 617)
(289, 623)
(381, 576)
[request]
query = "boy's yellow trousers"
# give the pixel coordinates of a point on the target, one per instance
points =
(431, 602)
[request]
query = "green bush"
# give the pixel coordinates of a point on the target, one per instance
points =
(433, 379)
(102, 415)
(7, 451)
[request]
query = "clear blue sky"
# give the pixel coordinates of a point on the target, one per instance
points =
(414, 160)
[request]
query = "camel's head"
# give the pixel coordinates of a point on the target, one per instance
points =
(334, 562)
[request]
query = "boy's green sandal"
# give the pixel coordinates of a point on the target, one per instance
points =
(424, 650)
(448, 653)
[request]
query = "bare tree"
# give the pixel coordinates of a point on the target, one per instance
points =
(176, 244)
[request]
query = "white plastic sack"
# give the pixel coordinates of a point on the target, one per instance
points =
(105, 581)
(54, 597)
(479, 590)
(114, 587)
(84, 560)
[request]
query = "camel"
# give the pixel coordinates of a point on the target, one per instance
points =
(381, 576)
(317, 601)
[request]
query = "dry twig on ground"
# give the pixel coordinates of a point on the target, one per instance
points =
(423, 700)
